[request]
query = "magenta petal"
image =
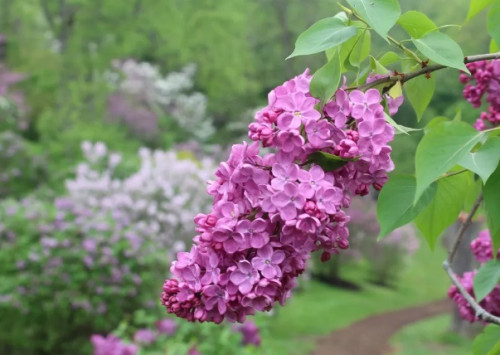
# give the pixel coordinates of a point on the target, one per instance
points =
(221, 306)
(357, 97)
(260, 176)
(288, 212)
(358, 111)
(269, 271)
(304, 175)
(278, 183)
(210, 303)
(290, 189)
(259, 240)
(245, 287)
(258, 262)
(306, 189)
(279, 171)
(259, 225)
(231, 246)
(237, 277)
(242, 226)
(372, 96)
(365, 128)
(288, 121)
(280, 199)
(317, 173)
(278, 257)
(245, 266)
(266, 252)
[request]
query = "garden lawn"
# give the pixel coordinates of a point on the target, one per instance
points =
(320, 308)
(430, 336)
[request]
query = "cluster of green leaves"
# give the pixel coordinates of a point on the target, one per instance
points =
(454, 163)
(346, 40)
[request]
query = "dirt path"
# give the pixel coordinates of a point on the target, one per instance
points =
(370, 336)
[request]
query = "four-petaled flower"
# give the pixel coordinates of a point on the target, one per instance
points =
(288, 201)
(245, 276)
(267, 261)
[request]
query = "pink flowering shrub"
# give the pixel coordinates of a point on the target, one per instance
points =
(482, 249)
(271, 210)
(483, 81)
(93, 256)
(140, 336)
(111, 345)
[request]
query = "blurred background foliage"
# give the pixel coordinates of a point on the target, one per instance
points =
(172, 75)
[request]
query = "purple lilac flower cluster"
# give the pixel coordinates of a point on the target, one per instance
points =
(482, 247)
(250, 333)
(271, 211)
(111, 345)
(165, 334)
(483, 251)
(484, 79)
(143, 337)
(393, 103)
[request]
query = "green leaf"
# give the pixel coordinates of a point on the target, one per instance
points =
(361, 49)
(493, 46)
(476, 6)
(419, 92)
(493, 21)
(327, 161)
(389, 58)
(485, 160)
(400, 128)
(347, 47)
(377, 67)
(444, 208)
(326, 79)
(443, 146)
(326, 33)
(381, 15)
(487, 341)
(491, 193)
(495, 350)
(486, 279)
(435, 121)
(395, 206)
(416, 23)
(441, 49)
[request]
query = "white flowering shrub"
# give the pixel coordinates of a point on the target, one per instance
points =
(158, 201)
(146, 100)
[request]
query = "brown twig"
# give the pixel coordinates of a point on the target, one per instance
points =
(423, 71)
(481, 313)
(463, 228)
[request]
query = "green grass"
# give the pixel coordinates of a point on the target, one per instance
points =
(321, 309)
(430, 336)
